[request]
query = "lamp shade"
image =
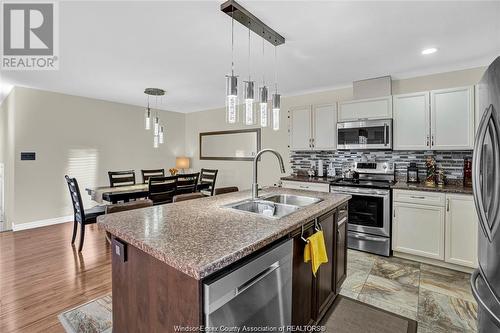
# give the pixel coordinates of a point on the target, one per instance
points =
(182, 162)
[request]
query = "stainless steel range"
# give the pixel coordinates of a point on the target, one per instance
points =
(369, 221)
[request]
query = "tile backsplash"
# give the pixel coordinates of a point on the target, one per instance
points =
(452, 162)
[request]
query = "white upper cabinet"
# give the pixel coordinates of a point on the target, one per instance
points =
(411, 121)
(325, 127)
(364, 109)
(452, 118)
(300, 128)
(313, 127)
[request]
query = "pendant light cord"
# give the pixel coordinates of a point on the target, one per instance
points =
(232, 42)
(263, 62)
(275, 71)
(249, 53)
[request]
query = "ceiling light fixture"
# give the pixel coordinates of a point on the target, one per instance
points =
(158, 130)
(247, 19)
(430, 50)
(232, 86)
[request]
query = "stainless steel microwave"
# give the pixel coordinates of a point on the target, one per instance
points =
(366, 134)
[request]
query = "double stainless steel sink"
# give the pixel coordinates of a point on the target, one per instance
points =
(275, 206)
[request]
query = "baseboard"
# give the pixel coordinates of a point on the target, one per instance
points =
(41, 223)
(433, 262)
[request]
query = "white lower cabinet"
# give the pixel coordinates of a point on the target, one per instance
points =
(418, 230)
(436, 225)
(297, 185)
(461, 230)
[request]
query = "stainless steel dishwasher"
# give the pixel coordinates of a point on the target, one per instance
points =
(259, 293)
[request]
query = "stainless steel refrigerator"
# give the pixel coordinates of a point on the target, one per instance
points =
(485, 281)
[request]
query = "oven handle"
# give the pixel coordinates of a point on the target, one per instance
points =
(375, 195)
(375, 239)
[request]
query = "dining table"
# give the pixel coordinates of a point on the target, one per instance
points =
(126, 193)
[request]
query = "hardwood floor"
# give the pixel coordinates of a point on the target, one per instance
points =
(41, 275)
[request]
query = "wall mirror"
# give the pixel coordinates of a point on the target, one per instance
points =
(237, 145)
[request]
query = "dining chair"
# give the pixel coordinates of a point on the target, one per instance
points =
(188, 196)
(207, 181)
(162, 189)
(81, 215)
(187, 182)
(146, 174)
(224, 190)
(121, 178)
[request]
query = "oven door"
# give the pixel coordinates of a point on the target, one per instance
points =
(369, 209)
(370, 134)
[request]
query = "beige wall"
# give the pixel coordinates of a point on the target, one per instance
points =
(7, 155)
(240, 173)
(84, 138)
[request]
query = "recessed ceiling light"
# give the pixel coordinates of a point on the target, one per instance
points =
(430, 50)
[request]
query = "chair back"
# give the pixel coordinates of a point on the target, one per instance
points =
(121, 207)
(187, 182)
(76, 199)
(121, 178)
(208, 176)
(223, 190)
(188, 196)
(146, 174)
(162, 189)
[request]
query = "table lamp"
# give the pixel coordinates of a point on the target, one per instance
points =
(182, 163)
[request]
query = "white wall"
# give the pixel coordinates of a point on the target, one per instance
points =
(232, 173)
(84, 138)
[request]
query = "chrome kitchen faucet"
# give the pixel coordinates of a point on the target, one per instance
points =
(255, 186)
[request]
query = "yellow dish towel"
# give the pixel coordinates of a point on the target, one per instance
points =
(315, 251)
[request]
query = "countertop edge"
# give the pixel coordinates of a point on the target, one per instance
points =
(213, 267)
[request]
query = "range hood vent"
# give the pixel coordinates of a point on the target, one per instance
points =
(370, 88)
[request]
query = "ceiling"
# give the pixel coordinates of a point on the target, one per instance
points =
(113, 50)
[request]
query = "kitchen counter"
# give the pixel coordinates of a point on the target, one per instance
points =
(449, 188)
(200, 237)
(307, 179)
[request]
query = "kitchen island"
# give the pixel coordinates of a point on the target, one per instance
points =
(163, 254)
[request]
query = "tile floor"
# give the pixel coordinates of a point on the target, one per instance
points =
(438, 298)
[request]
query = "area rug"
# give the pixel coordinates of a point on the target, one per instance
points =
(351, 316)
(92, 317)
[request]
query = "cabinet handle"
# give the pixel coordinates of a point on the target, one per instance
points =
(427, 141)
(416, 197)
(432, 140)
(447, 205)
(303, 186)
(394, 212)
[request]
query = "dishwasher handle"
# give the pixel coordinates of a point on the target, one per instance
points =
(257, 278)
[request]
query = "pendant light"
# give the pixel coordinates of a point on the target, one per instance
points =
(263, 96)
(147, 117)
(249, 93)
(276, 99)
(161, 136)
(232, 85)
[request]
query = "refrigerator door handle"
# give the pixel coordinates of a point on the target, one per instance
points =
(476, 166)
(475, 275)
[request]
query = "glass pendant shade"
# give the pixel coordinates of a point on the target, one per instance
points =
(157, 126)
(161, 135)
(155, 141)
(147, 119)
(249, 99)
(264, 121)
(276, 111)
(231, 99)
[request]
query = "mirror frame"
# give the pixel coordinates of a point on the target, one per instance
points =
(255, 130)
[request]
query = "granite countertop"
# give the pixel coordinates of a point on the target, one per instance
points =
(199, 237)
(322, 180)
(449, 188)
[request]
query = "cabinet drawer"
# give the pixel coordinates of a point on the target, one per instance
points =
(419, 197)
(306, 186)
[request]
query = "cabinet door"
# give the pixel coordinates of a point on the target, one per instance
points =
(452, 118)
(341, 252)
(411, 121)
(461, 230)
(363, 109)
(303, 284)
(300, 128)
(325, 127)
(418, 230)
(325, 276)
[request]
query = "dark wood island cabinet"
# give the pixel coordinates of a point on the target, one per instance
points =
(313, 296)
